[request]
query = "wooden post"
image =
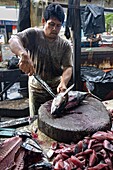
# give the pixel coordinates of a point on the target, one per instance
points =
(77, 46)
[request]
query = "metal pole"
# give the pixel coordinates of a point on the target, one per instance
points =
(77, 46)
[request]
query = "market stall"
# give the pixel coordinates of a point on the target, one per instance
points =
(80, 138)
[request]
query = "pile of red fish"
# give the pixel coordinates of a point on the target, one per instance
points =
(92, 153)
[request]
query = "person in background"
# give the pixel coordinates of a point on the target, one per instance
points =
(44, 52)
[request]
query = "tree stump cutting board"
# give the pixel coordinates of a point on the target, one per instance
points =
(87, 118)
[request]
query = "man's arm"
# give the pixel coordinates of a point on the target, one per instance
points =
(25, 63)
(65, 78)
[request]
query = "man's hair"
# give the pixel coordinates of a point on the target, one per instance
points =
(54, 10)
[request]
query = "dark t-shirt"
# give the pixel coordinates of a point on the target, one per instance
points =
(49, 58)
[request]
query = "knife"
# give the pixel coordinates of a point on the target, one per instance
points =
(44, 85)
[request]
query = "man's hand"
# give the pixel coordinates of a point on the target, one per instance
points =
(66, 76)
(25, 63)
(61, 87)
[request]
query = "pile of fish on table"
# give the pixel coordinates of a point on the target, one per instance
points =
(92, 153)
(22, 152)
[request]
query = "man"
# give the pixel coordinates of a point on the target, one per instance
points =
(44, 53)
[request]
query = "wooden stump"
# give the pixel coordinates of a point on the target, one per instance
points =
(87, 118)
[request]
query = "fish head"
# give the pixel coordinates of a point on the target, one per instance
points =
(59, 103)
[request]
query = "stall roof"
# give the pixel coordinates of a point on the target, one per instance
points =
(7, 13)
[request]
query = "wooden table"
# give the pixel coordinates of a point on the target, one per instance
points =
(101, 57)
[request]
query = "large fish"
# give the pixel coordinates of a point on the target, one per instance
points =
(59, 101)
(68, 100)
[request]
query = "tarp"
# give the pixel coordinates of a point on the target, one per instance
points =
(98, 82)
(93, 20)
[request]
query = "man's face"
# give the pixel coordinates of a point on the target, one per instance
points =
(52, 28)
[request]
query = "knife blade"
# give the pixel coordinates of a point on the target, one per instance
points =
(44, 85)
